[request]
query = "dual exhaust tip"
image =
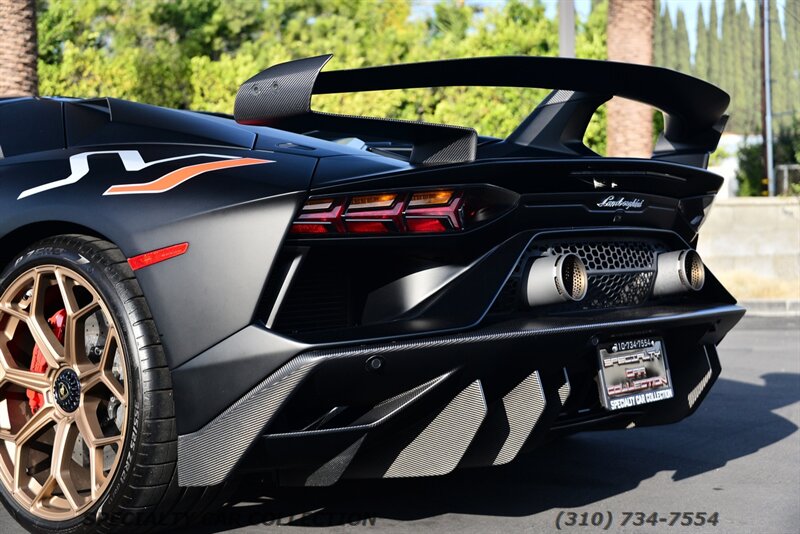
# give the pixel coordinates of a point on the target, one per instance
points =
(563, 278)
(679, 271)
(554, 279)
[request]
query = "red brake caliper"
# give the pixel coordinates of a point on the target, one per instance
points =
(39, 364)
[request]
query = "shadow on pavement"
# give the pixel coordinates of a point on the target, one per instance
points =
(735, 421)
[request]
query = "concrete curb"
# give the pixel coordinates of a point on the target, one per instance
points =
(772, 307)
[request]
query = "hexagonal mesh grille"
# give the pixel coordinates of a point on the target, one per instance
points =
(615, 290)
(604, 255)
(621, 273)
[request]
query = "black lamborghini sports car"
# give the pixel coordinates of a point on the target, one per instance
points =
(187, 296)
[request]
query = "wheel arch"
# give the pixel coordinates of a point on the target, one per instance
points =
(18, 239)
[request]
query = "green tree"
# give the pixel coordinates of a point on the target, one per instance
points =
(780, 85)
(747, 106)
(658, 35)
(661, 35)
(755, 69)
(714, 56)
(109, 48)
(792, 26)
(786, 148)
(727, 78)
(195, 53)
(209, 27)
(590, 43)
(346, 28)
(750, 169)
(517, 28)
(682, 61)
(701, 58)
(670, 42)
(738, 86)
(451, 17)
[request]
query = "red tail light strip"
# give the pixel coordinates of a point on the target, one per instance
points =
(451, 213)
(380, 220)
(368, 227)
(316, 220)
(386, 213)
(426, 226)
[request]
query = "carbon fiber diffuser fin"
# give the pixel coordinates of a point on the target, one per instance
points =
(524, 406)
(564, 389)
(441, 445)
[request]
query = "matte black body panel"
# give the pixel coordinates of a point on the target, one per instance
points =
(237, 364)
(531, 175)
(110, 121)
(213, 290)
(28, 125)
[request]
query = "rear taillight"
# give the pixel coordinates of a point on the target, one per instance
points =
(433, 211)
(406, 212)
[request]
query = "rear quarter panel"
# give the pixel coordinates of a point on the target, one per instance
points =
(233, 219)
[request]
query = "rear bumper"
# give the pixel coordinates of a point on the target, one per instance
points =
(437, 403)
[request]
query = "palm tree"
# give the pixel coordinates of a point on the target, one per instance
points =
(630, 39)
(18, 56)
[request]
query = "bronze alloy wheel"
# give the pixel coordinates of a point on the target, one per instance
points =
(63, 393)
(88, 436)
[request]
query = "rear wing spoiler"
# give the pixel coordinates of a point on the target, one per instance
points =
(280, 96)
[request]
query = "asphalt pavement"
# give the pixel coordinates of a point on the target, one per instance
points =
(735, 463)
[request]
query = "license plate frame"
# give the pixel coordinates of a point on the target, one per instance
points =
(633, 373)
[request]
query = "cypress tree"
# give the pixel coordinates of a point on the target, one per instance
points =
(658, 36)
(780, 100)
(728, 55)
(743, 50)
(682, 49)
(669, 41)
(701, 46)
(755, 67)
(714, 63)
(792, 18)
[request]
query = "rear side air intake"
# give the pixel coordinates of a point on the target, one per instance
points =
(678, 272)
(554, 279)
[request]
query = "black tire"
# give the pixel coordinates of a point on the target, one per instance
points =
(143, 494)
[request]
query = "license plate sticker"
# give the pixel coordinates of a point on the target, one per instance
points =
(633, 373)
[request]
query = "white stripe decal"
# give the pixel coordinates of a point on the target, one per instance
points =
(131, 160)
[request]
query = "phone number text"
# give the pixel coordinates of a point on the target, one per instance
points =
(604, 520)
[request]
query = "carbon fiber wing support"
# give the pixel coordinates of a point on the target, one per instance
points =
(280, 96)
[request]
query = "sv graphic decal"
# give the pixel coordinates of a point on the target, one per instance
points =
(132, 162)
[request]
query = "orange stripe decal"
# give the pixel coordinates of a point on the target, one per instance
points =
(179, 176)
